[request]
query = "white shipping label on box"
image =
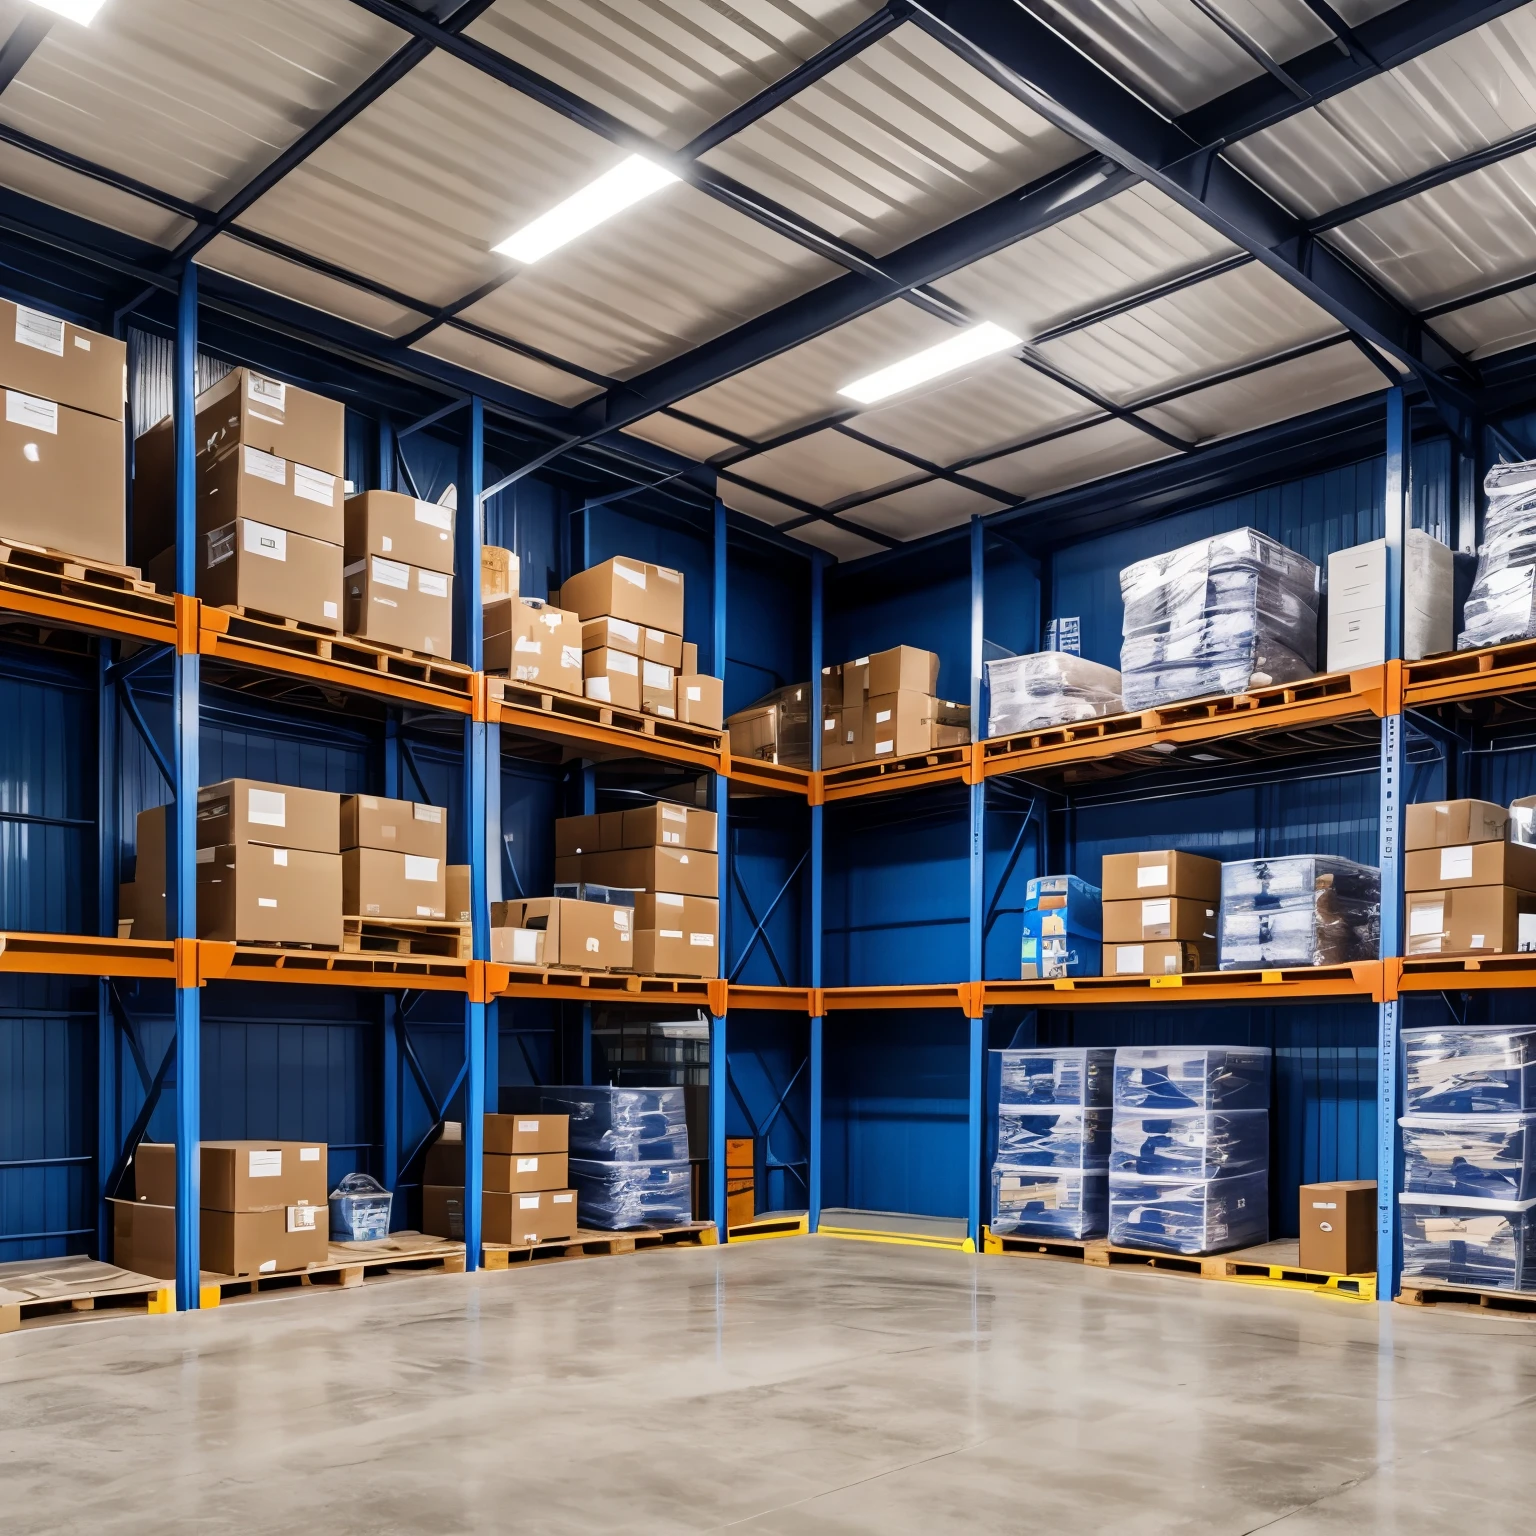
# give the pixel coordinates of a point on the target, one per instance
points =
(280, 857)
(635, 577)
(432, 583)
(617, 661)
(570, 656)
(432, 813)
(1130, 959)
(667, 899)
(564, 1199)
(1155, 913)
(434, 516)
(265, 391)
(1456, 863)
(35, 329)
(531, 1126)
(528, 645)
(624, 630)
(266, 807)
(696, 695)
(527, 1165)
(597, 688)
(1151, 874)
(882, 716)
(330, 610)
(31, 412)
(83, 342)
(426, 912)
(314, 485)
(266, 1163)
(391, 573)
(1425, 917)
(265, 466)
(525, 946)
(671, 933)
(418, 868)
(301, 1218)
(267, 1267)
(657, 676)
(269, 543)
(882, 747)
(593, 947)
(309, 1154)
(266, 901)
(527, 1202)
(702, 940)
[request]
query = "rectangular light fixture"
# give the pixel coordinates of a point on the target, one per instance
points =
(614, 191)
(83, 11)
(967, 346)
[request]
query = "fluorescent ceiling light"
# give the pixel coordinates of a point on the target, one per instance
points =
(614, 191)
(966, 347)
(83, 11)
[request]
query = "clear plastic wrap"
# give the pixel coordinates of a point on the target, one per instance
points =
(1158, 1078)
(1048, 688)
(1038, 1138)
(1474, 1071)
(1502, 604)
(611, 1195)
(1037, 1204)
(1050, 1074)
(1190, 1144)
(625, 1124)
(1307, 909)
(360, 1208)
(1218, 616)
(1488, 1243)
(1486, 1157)
(1180, 1216)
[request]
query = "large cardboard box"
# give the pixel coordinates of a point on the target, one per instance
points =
(651, 595)
(1430, 869)
(677, 952)
(402, 528)
(1159, 917)
(541, 1216)
(61, 478)
(1160, 957)
(664, 825)
(903, 669)
(255, 565)
(144, 1238)
(237, 1175)
(403, 826)
(151, 885)
(520, 1172)
(402, 605)
(682, 871)
(279, 815)
(578, 935)
(499, 573)
(1162, 872)
(700, 700)
(45, 355)
(612, 677)
(264, 1242)
(899, 724)
(531, 642)
(245, 482)
(278, 418)
(1487, 919)
(951, 724)
(518, 1134)
(251, 894)
(1448, 823)
(376, 882)
(1338, 1227)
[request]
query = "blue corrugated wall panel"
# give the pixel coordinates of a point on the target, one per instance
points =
(769, 839)
(768, 623)
(766, 1058)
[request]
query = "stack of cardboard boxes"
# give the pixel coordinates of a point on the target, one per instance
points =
(399, 572)
(394, 860)
(1470, 877)
(526, 639)
(270, 499)
(525, 1176)
(61, 439)
(1160, 912)
(265, 1208)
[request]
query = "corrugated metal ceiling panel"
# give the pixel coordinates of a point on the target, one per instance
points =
(194, 96)
(668, 70)
(1468, 93)
(825, 467)
(1002, 402)
(1076, 459)
(766, 509)
(801, 385)
(1126, 244)
(1235, 318)
(667, 275)
(680, 436)
(843, 543)
(1293, 388)
(89, 198)
(1454, 240)
(1495, 325)
(898, 141)
(922, 509)
(496, 362)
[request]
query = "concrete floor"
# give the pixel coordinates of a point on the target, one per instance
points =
(801, 1386)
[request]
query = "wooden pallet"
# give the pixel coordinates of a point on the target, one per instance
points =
(405, 936)
(32, 572)
(39, 1291)
(18, 558)
(582, 711)
(399, 1255)
(591, 1244)
(1428, 1293)
(942, 765)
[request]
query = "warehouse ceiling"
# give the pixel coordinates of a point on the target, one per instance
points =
(1174, 221)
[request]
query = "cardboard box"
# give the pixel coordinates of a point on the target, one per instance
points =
(45, 355)
(666, 909)
(651, 595)
(543, 1216)
(578, 935)
(904, 669)
(690, 661)
(662, 647)
(291, 423)
(1357, 601)
(1338, 1227)
(278, 815)
(589, 834)
(677, 952)
(951, 724)
(1159, 917)
(532, 642)
(836, 740)
(458, 893)
(499, 573)
(237, 1175)
(612, 635)
(611, 677)
(376, 882)
(856, 682)
(658, 690)
(1488, 919)
(664, 825)
(252, 894)
(61, 479)
(1432, 869)
(520, 1134)
(264, 1242)
(832, 687)
(144, 1238)
(1447, 823)
(255, 565)
(518, 946)
(442, 1211)
(397, 604)
(680, 871)
(700, 700)
(1160, 957)
(404, 826)
(899, 724)
(245, 482)
(418, 533)
(444, 1163)
(519, 1172)
(1162, 872)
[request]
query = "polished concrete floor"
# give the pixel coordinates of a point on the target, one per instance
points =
(801, 1386)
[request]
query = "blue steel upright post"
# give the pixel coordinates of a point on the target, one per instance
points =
(390, 1008)
(721, 794)
(976, 915)
(467, 542)
(818, 1022)
(182, 863)
(1389, 1018)
(108, 1052)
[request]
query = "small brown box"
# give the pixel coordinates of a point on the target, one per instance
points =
(665, 825)
(1470, 864)
(400, 605)
(681, 871)
(61, 479)
(612, 635)
(899, 724)
(1159, 917)
(542, 1216)
(517, 1172)
(252, 894)
(144, 1238)
(48, 356)
(1446, 823)
(264, 1242)
(376, 882)
(700, 700)
(1162, 872)
(278, 815)
(245, 482)
(458, 893)
(247, 564)
(1486, 919)
(237, 1175)
(518, 1135)
(661, 646)
(294, 424)
(401, 826)
(651, 595)
(1338, 1227)
(578, 935)
(1160, 957)
(499, 574)
(402, 528)
(677, 952)
(611, 677)
(902, 669)
(533, 642)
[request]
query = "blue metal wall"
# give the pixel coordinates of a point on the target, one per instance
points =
(768, 623)
(769, 1100)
